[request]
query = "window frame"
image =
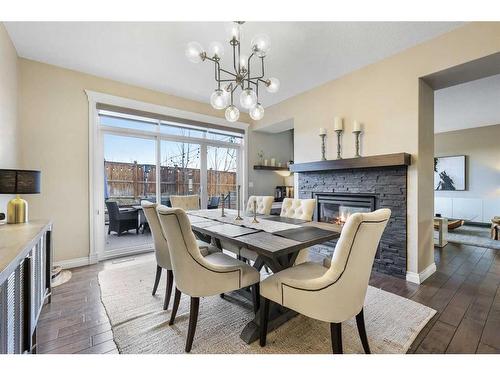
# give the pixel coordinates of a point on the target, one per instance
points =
(96, 157)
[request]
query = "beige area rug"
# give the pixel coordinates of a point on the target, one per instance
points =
(141, 326)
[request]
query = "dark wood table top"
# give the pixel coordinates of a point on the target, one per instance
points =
(271, 245)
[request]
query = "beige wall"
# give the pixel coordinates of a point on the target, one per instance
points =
(385, 98)
(9, 138)
(482, 148)
(54, 132)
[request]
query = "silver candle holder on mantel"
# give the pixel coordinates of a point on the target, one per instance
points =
(357, 132)
(222, 214)
(339, 129)
(322, 134)
(238, 197)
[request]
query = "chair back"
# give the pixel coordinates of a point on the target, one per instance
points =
(298, 208)
(186, 202)
(213, 202)
(161, 246)
(353, 257)
(264, 204)
(113, 210)
(187, 261)
(194, 275)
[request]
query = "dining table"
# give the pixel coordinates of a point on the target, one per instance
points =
(275, 240)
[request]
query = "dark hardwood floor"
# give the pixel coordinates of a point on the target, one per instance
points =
(464, 291)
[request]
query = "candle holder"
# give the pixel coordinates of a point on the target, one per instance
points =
(222, 205)
(323, 149)
(357, 134)
(339, 148)
(238, 197)
(255, 221)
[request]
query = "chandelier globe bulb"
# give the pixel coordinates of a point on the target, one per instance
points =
(232, 113)
(257, 112)
(194, 52)
(248, 98)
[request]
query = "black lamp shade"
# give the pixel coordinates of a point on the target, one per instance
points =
(17, 181)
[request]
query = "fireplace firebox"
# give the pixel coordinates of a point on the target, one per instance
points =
(336, 207)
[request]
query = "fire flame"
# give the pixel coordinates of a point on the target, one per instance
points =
(340, 220)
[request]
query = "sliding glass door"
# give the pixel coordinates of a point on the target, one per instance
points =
(129, 177)
(148, 159)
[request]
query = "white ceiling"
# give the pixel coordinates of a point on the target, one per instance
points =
(151, 54)
(469, 105)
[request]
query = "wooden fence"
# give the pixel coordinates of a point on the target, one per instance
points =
(135, 181)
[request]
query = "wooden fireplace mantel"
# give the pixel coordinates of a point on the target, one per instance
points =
(387, 160)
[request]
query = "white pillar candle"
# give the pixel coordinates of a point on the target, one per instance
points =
(322, 131)
(356, 126)
(338, 124)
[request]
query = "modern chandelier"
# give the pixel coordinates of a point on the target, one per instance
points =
(240, 76)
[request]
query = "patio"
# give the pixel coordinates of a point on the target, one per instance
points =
(127, 240)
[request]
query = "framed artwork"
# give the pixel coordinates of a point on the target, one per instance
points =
(449, 173)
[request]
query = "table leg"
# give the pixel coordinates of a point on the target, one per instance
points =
(278, 314)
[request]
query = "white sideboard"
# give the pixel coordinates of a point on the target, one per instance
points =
(471, 209)
(25, 283)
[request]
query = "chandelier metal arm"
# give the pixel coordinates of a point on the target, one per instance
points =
(262, 70)
(248, 70)
(239, 57)
(234, 59)
(226, 80)
(217, 74)
(228, 72)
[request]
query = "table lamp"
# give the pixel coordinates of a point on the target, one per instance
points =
(17, 181)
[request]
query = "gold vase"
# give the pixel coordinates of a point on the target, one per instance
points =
(17, 211)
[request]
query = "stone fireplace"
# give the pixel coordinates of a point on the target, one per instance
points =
(342, 192)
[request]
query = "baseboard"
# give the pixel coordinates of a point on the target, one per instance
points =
(73, 263)
(418, 278)
(93, 258)
(124, 252)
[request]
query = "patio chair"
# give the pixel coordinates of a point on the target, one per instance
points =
(120, 222)
(213, 203)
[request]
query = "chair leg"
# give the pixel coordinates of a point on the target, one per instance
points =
(256, 297)
(360, 322)
(336, 333)
(264, 315)
(177, 299)
(168, 290)
(157, 279)
(193, 319)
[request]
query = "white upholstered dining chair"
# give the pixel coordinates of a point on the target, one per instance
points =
(264, 204)
(162, 253)
(199, 276)
(186, 202)
(335, 290)
(302, 209)
(298, 208)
